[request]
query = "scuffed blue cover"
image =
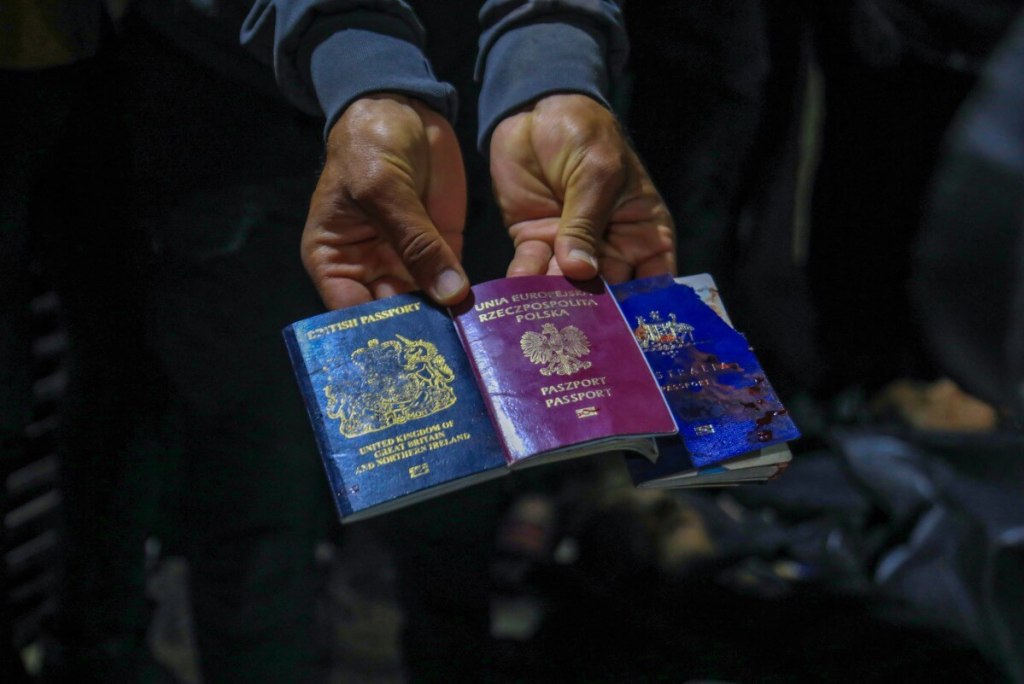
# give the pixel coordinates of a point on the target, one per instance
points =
(723, 404)
(392, 401)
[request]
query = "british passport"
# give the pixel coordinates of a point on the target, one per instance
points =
(409, 401)
(732, 426)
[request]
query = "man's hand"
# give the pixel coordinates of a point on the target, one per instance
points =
(388, 212)
(574, 195)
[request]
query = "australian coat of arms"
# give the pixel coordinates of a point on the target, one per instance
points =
(399, 380)
(661, 335)
(559, 351)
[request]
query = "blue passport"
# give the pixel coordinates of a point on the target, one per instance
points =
(732, 426)
(394, 404)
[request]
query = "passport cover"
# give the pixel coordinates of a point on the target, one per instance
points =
(675, 467)
(724, 405)
(393, 403)
(558, 367)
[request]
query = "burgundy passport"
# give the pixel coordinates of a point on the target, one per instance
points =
(560, 372)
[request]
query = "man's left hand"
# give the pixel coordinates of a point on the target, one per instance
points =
(574, 195)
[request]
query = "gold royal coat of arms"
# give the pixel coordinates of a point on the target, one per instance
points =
(400, 380)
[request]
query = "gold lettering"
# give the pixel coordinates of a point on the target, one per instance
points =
(409, 444)
(389, 313)
(691, 385)
(490, 303)
(574, 397)
(535, 310)
(326, 330)
(561, 387)
(551, 294)
(541, 315)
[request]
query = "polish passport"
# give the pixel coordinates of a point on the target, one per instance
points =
(732, 426)
(410, 401)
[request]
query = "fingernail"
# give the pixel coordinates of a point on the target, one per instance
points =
(580, 255)
(448, 283)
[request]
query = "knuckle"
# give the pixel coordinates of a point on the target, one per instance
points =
(582, 229)
(603, 165)
(418, 248)
(316, 261)
(369, 184)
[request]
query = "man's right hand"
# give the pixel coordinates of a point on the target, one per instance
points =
(388, 212)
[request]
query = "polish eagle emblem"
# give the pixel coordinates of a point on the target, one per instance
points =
(558, 350)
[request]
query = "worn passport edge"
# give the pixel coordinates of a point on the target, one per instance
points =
(778, 454)
(316, 419)
(650, 371)
(481, 385)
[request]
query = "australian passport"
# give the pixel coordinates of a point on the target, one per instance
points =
(732, 426)
(409, 401)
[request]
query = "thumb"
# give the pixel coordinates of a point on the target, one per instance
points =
(591, 193)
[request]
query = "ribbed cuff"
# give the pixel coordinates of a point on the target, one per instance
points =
(356, 62)
(539, 59)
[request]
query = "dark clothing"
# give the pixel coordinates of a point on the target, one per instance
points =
(222, 176)
(63, 214)
(326, 53)
(970, 255)
(222, 168)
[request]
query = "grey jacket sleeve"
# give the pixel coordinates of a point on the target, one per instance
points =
(328, 53)
(532, 48)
